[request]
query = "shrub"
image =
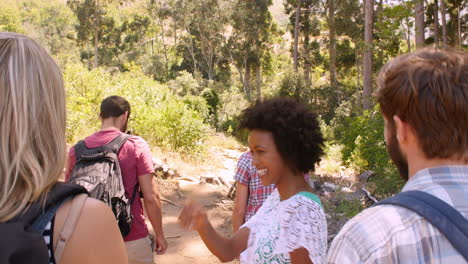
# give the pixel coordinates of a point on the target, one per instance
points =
(362, 139)
(349, 208)
(162, 119)
(177, 127)
(185, 84)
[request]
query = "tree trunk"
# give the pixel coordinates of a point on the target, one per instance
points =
(408, 35)
(259, 82)
(436, 23)
(419, 23)
(296, 34)
(175, 30)
(96, 36)
(308, 80)
(89, 52)
(444, 24)
(307, 47)
(163, 37)
(358, 70)
(367, 72)
(459, 27)
(247, 81)
(332, 48)
(96, 47)
(307, 62)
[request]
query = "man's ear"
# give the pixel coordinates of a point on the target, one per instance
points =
(401, 129)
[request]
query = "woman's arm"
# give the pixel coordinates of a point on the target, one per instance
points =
(194, 217)
(300, 256)
(96, 238)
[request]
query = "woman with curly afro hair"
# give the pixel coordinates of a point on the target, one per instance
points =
(290, 227)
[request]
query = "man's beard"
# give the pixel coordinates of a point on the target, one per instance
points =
(124, 127)
(397, 157)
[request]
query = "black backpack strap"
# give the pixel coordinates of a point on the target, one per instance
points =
(80, 149)
(37, 215)
(437, 212)
(116, 143)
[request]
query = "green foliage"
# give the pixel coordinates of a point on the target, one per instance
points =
(179, 128)
(293, 85)
(362, 139)
(198, 104)
(349, 208)
(202, 57)
(51, 23)
(185, 84)
(161, 118)
(10, 19)
(213, 101)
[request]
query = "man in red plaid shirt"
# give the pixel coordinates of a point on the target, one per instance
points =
(250, 192)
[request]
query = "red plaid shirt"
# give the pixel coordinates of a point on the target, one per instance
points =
(247, 174)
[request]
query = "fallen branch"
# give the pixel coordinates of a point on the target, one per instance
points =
(172, 237)
(168, 201)
(372, 198)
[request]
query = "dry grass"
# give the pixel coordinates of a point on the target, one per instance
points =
(218, 147)
(220, 140)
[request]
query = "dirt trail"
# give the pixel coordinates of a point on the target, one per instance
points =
(187, 247)
(184, 246)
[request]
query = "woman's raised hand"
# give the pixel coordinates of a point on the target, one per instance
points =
(193, 215)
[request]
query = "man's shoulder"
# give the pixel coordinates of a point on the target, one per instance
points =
(135, 138)
(375, 228)
(245, 157)
(373, 218)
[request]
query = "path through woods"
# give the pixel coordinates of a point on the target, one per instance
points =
(187, 247)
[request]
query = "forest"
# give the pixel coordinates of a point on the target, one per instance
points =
(189, 67)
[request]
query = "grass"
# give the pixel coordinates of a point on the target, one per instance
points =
(211, 159)
(349, 208)
(220, 140)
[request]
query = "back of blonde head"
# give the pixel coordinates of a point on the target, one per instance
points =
(32, 123)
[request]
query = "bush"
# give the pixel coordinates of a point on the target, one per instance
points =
(161, 118)
(185, 84)
(177, 127)
(362, 139)
(349, 208)
(213, 101)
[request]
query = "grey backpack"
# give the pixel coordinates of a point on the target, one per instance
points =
(98, 170)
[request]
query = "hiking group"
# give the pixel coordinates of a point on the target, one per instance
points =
(277, 217)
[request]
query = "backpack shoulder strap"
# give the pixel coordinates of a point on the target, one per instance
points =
(117, 143)
(36, 217)
(437, 212)
(69, 225)
(80, 149)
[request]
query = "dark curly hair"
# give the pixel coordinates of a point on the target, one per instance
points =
(295, 128)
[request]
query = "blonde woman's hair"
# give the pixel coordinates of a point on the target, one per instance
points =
(32, 123)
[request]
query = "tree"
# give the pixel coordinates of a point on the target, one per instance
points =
(91, 15)
(248, 45)
(369, 10)
(305, 27)
(296, 33)
(443, 10)
(332, 45)
(436, 22)
(10, 19)
(454, 25)
(419, 23)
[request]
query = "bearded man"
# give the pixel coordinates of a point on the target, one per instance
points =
(423, 97)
